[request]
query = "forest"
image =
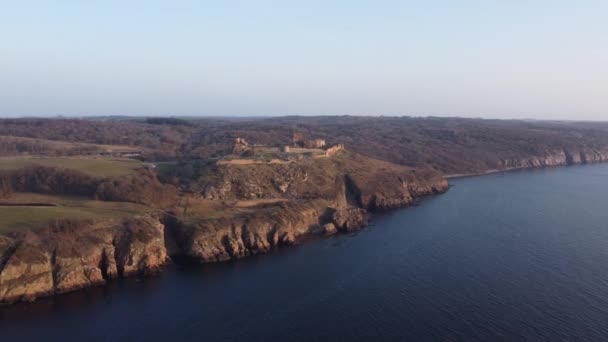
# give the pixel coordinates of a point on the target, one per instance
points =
(449, 145)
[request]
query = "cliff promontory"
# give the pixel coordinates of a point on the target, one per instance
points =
(260, 207)
(71, 255)
(210, 190)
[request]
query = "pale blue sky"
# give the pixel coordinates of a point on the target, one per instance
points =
(506, 59)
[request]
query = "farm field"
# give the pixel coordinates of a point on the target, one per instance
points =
(21, 214)
(34, 146)
(93, 166)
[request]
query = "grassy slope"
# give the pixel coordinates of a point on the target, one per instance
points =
(315, 177)
(99, 167)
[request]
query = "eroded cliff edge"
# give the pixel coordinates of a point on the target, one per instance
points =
(317, 199)
(550, 158)
(64, 258)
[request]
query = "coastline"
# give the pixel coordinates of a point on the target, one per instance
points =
(473, 174)
(64, 259)
(245, 238)
(555, 160)
(391, 257)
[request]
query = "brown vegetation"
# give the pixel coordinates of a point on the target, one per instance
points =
(142, 188)
(449, 145)
(212, 211)
(50, 180)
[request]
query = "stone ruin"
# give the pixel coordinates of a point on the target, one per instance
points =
(298, 141)
(316, 143)
(241, 146)
(334, 149)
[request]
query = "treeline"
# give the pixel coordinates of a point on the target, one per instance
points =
(10, 146)
(186, 172)
(143, 187)
(49, 180)
(168, 121)
(163, 140)
(5, 185)
(449, 145)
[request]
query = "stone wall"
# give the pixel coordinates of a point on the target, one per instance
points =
(334, 149)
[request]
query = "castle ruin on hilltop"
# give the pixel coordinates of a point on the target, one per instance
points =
(241, 146)
(298, 141)
(299, 146)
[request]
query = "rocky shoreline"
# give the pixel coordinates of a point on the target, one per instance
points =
(559, 158)
(62, 258)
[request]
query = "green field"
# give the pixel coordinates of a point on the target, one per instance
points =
(98, 167)
(26, 217)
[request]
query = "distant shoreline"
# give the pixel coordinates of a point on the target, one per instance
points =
(473, 174)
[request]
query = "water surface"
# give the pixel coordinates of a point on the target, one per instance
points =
(514, 256)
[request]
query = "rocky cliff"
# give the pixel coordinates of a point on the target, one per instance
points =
(62, 259)
(364, 181)
(324, 197)
(225, 239)
(70, 256)
(558, 157)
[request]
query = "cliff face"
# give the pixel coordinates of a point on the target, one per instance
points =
(225, 239)
(324, 197)
(390, 190)
(65, 259)
(36, 264)
(363, 181)
(558, 158)
(345, 189)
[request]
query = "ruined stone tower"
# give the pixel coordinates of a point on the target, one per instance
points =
(298, 139)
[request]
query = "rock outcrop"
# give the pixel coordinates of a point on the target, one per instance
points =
(66, 257)
(323, 197)
(27, 272)
(241, 146)
(560, 157)
(349, 219)
(225, 239)
(370, 183)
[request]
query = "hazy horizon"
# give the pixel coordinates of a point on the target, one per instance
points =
(228, 117)
(516, 60)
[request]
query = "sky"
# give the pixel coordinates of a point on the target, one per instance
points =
(494, 59)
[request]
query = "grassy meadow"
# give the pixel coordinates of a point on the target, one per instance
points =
(93, 166)
(14, 218)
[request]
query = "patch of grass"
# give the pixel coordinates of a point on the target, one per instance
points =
(201, 210)
(63, 146)
(93, 166)
(27, 217)
(258, 203)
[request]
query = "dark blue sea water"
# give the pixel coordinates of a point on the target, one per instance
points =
(514, 256)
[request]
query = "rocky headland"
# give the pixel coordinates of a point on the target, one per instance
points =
(319, 198)
(322, 197)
